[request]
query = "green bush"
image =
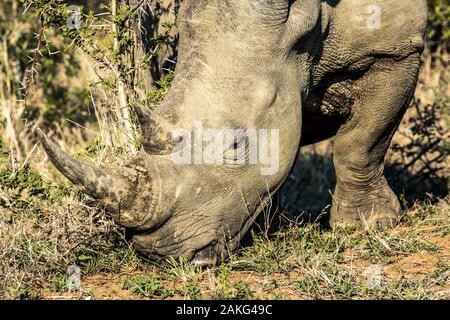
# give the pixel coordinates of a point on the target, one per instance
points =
(439, 17)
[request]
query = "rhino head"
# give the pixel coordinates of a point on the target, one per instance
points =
(239, 68)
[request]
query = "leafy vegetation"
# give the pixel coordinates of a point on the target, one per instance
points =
(147, 286)
(439, 17)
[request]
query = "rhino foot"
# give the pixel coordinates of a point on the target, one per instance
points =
(378, 208)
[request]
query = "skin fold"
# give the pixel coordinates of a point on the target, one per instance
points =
(309, 69)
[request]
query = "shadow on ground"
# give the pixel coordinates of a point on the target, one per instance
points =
(306, 195)
(309, 187)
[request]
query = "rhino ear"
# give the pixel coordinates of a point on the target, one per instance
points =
(277, 7)
(304, 16)
(275, 3)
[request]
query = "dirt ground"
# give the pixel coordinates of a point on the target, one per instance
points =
(404, 272)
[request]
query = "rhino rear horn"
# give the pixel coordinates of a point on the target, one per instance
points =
(156, 138)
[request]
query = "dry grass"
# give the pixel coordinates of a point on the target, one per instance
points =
(300, 263)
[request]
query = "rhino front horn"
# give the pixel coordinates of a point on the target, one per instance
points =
(111, 188)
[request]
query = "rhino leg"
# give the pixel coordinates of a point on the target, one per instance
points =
(362, 194)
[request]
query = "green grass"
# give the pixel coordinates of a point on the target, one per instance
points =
(310, 263)
(148, 287)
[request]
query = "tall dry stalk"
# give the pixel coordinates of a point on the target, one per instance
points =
(14, 86)
(434, 79)
(122, 92)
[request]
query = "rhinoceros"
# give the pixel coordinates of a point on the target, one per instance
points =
(306, 70)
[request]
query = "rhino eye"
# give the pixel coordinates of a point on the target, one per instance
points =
(237, 150)
(179, 142)
(239, 140)
(233, 150)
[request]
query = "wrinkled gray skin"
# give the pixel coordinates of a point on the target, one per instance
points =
(312, 69)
